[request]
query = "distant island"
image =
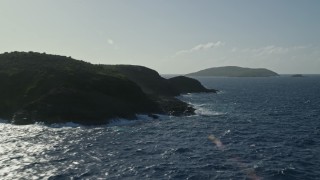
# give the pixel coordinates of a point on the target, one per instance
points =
(234, 71)
(297, 75)
(37, 87)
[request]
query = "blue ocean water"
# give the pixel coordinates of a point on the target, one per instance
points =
(255, 128)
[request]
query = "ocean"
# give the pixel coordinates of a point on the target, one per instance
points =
(254, 128)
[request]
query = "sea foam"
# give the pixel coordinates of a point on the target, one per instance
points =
(141, 118)
(202, 110)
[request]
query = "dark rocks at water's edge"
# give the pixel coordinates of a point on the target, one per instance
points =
(234, 71)
(45, 88)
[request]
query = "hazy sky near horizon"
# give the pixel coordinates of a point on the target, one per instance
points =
(173, 36)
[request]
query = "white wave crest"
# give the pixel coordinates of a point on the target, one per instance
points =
(64, 125)
(221, 92)
(141, 118)
(122, 122)
(207, 112)
(186, 95)
(202, 110)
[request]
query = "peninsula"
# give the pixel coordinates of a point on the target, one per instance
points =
(234, 71)
(37, 87)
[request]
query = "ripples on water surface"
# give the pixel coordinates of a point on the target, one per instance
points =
(256, 128)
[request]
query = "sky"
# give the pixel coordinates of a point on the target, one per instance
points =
(170, 36)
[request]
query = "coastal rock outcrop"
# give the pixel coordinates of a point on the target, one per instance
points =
(184, 84)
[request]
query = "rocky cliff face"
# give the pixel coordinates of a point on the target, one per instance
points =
(53, 89)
